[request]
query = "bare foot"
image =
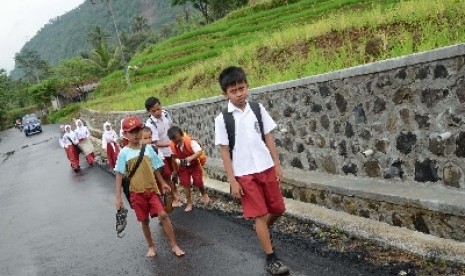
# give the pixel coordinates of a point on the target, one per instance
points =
(176, 204)
(178, 251)
(151, 253)
(205, 199)
(188, 208)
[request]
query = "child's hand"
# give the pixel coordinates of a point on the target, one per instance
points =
(118, 202)
(279, 173)
(236, 189)
(166, 188)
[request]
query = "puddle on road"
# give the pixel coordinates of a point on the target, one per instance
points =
(8, 155)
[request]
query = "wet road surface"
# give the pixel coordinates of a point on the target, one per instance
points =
(56, 222)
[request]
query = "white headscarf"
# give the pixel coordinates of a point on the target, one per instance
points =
(81, 131)
(109, 136)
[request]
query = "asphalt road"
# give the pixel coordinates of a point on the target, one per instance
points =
(56, 222)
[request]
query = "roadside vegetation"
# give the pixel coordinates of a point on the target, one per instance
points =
(282, 40)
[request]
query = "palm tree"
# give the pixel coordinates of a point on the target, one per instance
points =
(104, 59)
(109, 6)
(97, 36)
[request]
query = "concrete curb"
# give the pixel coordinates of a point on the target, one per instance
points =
(426, 246)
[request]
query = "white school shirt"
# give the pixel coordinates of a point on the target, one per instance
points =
(82, 132)
(250, 153)
(66, 139)
(160, 132)
(108, 136)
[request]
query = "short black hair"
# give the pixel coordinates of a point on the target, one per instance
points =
(173, 131)
(150, 102)
(230, 76)
(147, 129)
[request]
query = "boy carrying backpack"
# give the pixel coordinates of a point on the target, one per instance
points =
(188, 159)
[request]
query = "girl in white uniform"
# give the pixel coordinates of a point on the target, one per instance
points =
(83, 134)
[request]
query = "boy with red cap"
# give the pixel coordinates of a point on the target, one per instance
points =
(144, 194)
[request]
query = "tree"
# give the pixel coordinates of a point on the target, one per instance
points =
(140, 24)
(201, 5)
(97, 36)
(75, 71)
(212, 9)
(109, 5)
(104, 59)
(43, 91)
(34, 67)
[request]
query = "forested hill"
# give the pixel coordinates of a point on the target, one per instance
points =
(66, 36)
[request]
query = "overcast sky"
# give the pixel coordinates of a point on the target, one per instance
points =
(21, 19)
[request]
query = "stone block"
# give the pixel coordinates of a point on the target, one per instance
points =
(341, 103)
(320, 141)
(359, 114)
(426, 170)
(461, 91)
(422, 73)
(329, 165)
(403, 94)
(296, 163)
(349, 130)
(379, 105)
(452, 176)
(365, 134)
(435, 146)
(460, 142)
(324, 91)
(382, 145)
(324, 121)
(372, 168)
(432, 96)
(317, 108)
(440, 72)
(422, 121)
(405, 142)
(350, 169)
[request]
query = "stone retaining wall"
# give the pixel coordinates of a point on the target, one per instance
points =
(395, 108)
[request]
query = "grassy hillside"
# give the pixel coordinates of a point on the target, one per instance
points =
(66, 36)
(281, 40)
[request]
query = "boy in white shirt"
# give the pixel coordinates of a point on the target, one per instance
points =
(159, 122)
(250, 160)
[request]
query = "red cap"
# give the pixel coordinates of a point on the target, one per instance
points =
(131, 123)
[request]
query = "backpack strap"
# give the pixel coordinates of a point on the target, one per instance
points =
(153, 122)
(230, 129)
(188, 144)
(155, 148)
(258, 113)
(230, 125)
(139, 160)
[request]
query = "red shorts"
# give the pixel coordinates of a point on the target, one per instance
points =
(167, 168)
(188, 173)
(262, 194)
(146, 204)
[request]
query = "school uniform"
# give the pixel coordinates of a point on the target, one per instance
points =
(159, 129)
(252, 163)
(194, 170)
(83, 134)
(109, 138)
(144, 193)
(67, 141)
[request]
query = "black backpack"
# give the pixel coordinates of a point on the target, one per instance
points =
(231, 127)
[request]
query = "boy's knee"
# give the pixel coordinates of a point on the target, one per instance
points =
(162, 216)
(145, 221)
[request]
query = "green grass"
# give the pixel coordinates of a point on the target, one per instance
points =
(276, 42)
